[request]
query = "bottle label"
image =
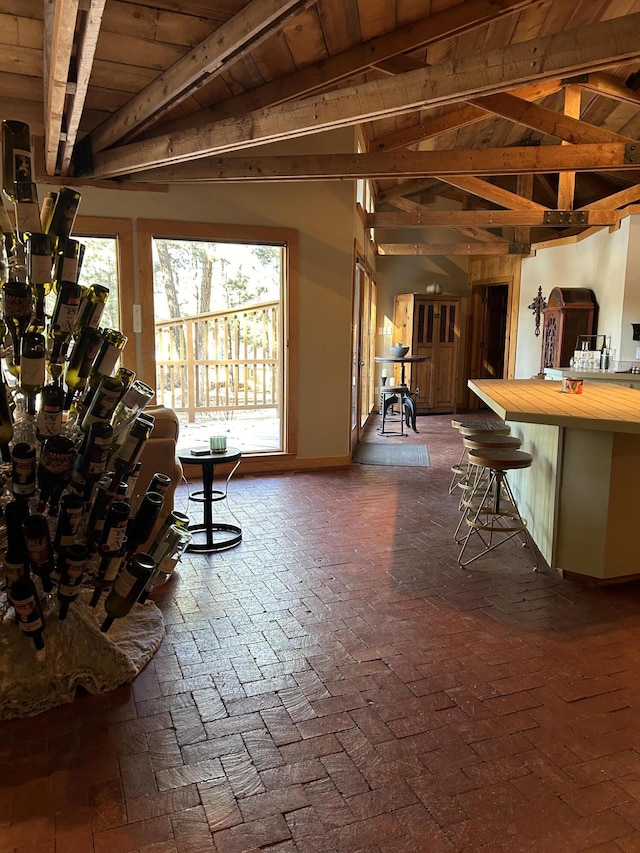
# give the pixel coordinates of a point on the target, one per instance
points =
(13, 572)
(40, 269)
(32, 370)
(104, 405)
(66, 316)
(49, 421)
(99, 455)
(39, 550)
(69, 525)
(55, 462)
(27, 614)
(87, 361)
(115, 539)
(17, 305)
(124, 583)
(69, 269)
(24, 476)
(67, 590)
(94, 318)
(112, 569)
(22, 168)
(108, 361)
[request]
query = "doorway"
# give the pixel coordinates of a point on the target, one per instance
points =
(489, 344)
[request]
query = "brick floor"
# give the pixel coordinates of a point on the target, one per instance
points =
(337, 684)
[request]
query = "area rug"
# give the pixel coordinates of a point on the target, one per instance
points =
(401, 455)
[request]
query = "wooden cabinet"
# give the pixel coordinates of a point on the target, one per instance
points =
(431, 326)
(570, 312)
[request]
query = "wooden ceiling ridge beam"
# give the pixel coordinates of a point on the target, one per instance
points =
(85, 50)
(231, 39)
(60, 24)
(444, 165)
(458, 19)
(608, 85)
(600, 45)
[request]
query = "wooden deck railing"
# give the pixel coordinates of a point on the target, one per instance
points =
(219, 361)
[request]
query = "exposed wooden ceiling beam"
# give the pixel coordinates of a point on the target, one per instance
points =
(594, 46)
(440, 164)
(607, 84)
(460, 18)
(85, 48)
(492, 193)
(58, 49)
(490, 218)
(453, 248)
(567, 180)
(619, 199)
(231, 39)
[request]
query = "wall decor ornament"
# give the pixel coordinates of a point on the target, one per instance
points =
(537, 306)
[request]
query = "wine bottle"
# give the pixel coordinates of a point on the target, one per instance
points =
(17, 165)
(103, 403)
(46, 209)
(6, 421)
(15, 513)
(133, 401)
(140, 527)
(130, 452)
(32, 367)
(68, 261)
(92, 307)
(63, 215)
(55, 466)
(174, 518)
(27, 209)
(49, 420)
(93, 457)
(127, 588)
(113, 342)
(111, 542)
(71, 567)
(13, 568)
(39, 549)
(40, 260)
(69, 521)
(26, 603)
(63, 317)
(17, 304)
(23, 477)
(82, 356)
(95, 522)
(166, 555)
(159, 483)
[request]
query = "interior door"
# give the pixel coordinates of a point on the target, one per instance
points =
(489, 332)
(356, 348)
(363, 350)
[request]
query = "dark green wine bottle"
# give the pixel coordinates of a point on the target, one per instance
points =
(71, 567)
(82, 356)
(39, 548)
(49, 420)
(127, 588)
(26, 603)
(17, 165)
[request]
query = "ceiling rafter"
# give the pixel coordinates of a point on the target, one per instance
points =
(438, 164)
(60, 24)
(505, 248)
(494, 71)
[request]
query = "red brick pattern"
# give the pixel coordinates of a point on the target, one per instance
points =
(337, 684)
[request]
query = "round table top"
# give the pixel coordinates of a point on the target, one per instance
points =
(405, 359)
(192, 457)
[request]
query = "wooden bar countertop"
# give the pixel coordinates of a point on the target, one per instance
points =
(601, 406)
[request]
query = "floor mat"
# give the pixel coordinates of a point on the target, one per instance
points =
(407, 455)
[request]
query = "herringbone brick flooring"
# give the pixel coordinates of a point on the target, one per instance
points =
(336, 684)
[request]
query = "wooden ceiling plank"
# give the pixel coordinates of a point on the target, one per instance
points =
(495, 71)
(59, 50)
(440, 164)
(353, 61)
(85, 52)
(196, 67)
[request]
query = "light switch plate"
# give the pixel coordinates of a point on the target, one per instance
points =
(137, 319)
(637, 352)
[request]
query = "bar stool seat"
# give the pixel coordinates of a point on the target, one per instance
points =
(491, 512)
(472, 427)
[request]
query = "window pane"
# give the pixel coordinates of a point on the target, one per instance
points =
(100, 266)
(219, 365)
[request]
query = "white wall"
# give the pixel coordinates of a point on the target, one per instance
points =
(600, 263)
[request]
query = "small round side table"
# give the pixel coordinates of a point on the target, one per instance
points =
(219, 535)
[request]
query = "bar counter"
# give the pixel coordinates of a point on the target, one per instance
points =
(580, 495)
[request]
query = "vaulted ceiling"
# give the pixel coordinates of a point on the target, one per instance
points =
(523, 114)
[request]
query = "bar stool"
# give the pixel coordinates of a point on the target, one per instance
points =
(405, 399)
(472, 427)
(476, 475)
(491, 513)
